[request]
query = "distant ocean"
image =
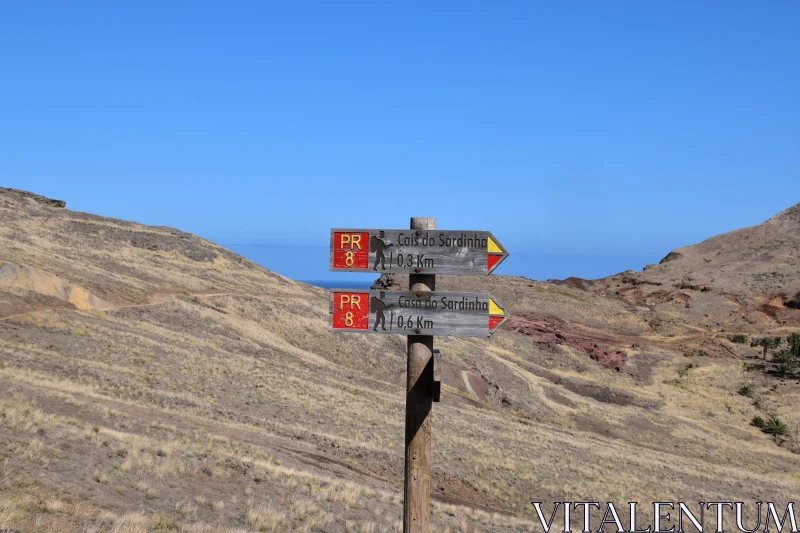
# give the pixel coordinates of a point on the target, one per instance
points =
(310, 264)
(340, 284)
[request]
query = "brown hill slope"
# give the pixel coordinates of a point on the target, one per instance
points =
(763, 260)
(151, 380)
(740, 280)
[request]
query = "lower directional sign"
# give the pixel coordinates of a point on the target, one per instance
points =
(458, 314)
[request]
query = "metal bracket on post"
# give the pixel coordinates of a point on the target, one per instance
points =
(437, 375)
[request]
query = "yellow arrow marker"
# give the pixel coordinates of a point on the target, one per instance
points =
(493, 248)
(494, 309)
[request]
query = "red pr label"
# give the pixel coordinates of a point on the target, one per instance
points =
(351, 250)
(350, 310)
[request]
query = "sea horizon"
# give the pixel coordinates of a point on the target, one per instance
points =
(339, 284)
(305, 263)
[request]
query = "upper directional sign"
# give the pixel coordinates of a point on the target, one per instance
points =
(458, 314)
(415, 251)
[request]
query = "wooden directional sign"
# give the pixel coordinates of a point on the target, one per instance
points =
(458, 314)
(415, 251)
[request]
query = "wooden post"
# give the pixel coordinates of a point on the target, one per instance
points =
(419, 396)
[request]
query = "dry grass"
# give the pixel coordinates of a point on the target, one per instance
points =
(212, 398)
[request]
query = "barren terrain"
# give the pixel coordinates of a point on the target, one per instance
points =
(152, 381)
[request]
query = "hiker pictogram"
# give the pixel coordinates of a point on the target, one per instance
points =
(377, 246)
(378, 306)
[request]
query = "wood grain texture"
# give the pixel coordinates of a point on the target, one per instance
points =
(419, 402)
(458, 252)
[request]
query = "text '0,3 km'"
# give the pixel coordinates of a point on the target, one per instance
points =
(457, 314)
(415, 251)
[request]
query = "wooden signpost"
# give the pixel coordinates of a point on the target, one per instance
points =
(420, 313)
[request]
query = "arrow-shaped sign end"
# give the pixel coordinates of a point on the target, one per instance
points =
(497, 315)
(495, 253)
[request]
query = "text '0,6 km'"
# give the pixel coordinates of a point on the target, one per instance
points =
(458, 314)
(415, 251)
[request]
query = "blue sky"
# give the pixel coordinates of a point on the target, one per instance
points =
(589, 137)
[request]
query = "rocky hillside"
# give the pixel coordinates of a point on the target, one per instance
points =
(152, 381)
(745, 281)
(763, 260)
